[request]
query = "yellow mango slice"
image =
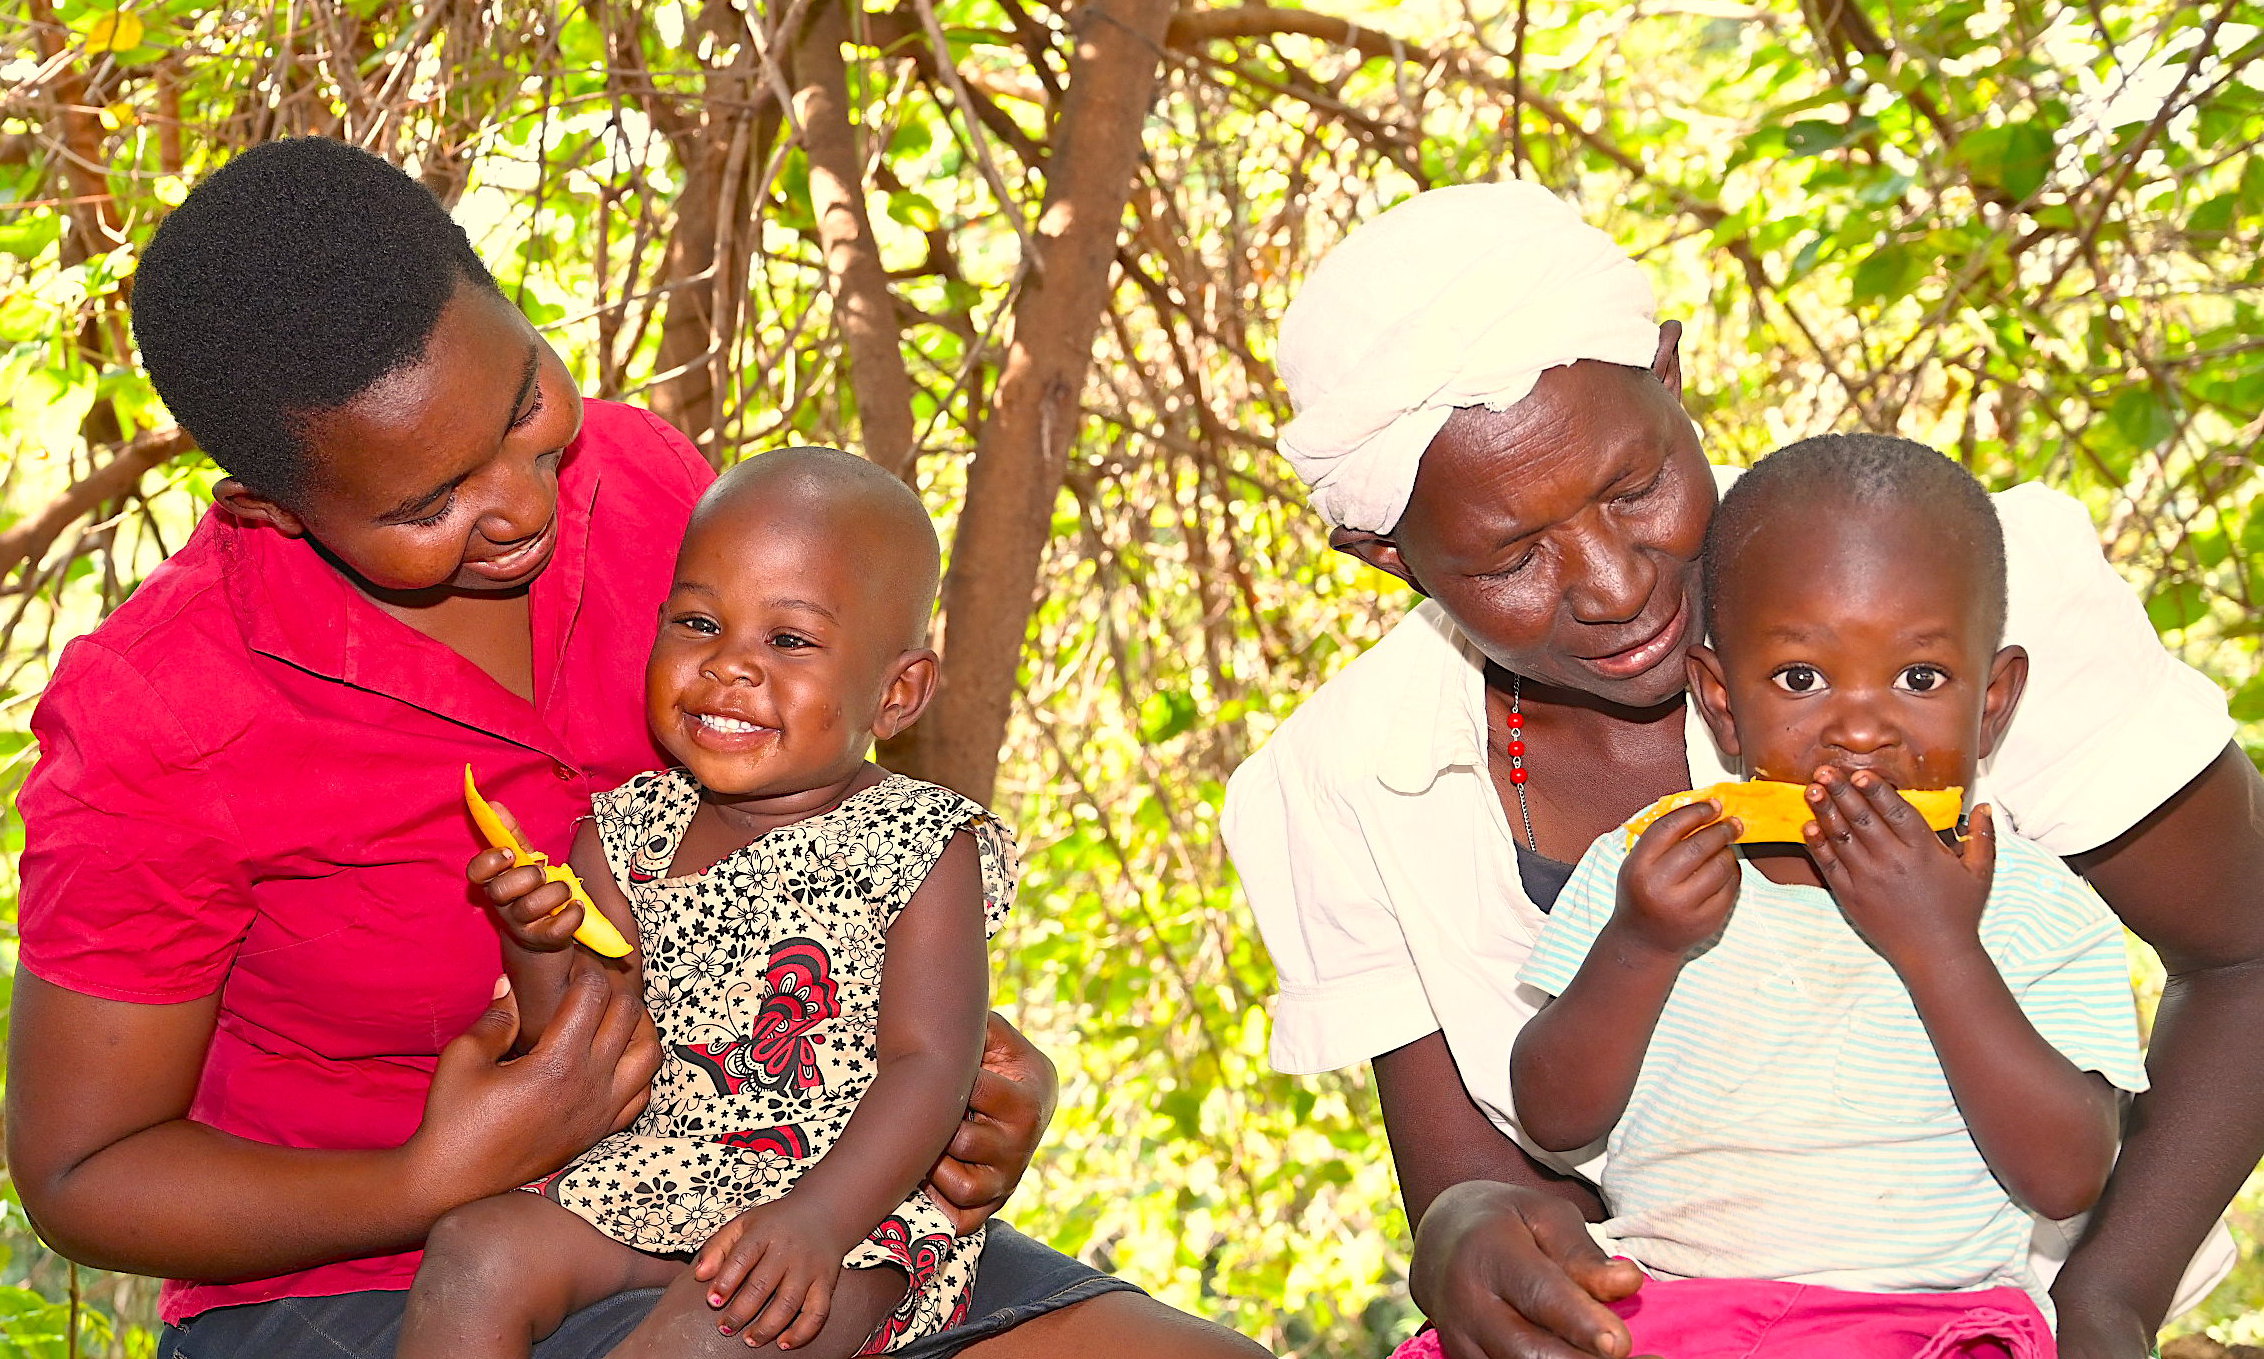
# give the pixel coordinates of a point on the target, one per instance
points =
(595, 933)
(1775, 812)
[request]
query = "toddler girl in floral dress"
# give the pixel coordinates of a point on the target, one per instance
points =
(810, 936)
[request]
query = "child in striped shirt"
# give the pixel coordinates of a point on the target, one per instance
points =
(1836, 1077)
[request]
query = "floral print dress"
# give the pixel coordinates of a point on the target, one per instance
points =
(763, 978)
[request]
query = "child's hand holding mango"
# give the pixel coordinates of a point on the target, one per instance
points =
(542, 905)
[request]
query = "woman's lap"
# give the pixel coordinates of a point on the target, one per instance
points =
(1018, 1279)
(368, 1326)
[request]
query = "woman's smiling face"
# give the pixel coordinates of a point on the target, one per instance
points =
(1562, 535)
(444, 475)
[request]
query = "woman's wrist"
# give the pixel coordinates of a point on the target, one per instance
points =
(2099, 1323)
(429, 1178)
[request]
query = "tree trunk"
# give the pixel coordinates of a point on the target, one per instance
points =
(1023, 450)
(685, 395)
(704, 266)
(863, 305)
(76, 115)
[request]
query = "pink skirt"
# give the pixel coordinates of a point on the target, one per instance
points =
(1764, 1319)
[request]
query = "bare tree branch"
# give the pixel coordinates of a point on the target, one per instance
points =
(28, 541)
(863, 304)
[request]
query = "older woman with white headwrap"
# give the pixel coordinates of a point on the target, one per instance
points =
(1487, 410)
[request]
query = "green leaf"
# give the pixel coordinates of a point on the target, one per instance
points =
(1812, 137)
(24, 317)
(1765, 144)
(1883, 190)
(912, 139)
(2028, 159)
(2226, 119)
(1885, 274)
(915, 210)
(2015, 157)
(2248, 701)
(1166, 714)
(31, 1327)
(1184, 1108)
(2208, 224)
(28, 235)
(1805, 262)
(2181, 604)
(2139, 416)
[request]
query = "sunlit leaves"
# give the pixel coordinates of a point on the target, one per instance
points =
(2014, 158)
(1891, 271)
(116, 31)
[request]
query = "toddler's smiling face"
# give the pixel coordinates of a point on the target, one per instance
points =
(791, 638)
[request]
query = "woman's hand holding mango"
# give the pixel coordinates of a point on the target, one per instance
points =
(494, 1122)
(1680, 880)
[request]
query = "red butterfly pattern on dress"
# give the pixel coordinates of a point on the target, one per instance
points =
(781, 1053)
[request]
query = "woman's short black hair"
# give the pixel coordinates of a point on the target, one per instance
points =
(1822, 474)
(285, 285)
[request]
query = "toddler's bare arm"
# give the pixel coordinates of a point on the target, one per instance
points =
(538, 919)
(1575, 1063)
(2047, 1128)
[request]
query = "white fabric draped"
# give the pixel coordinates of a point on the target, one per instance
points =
(1461, 296)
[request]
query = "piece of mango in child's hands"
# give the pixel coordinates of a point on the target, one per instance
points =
(595, 933)
(1774, 812)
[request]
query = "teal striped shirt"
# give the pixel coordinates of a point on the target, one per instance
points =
(1791, 1120)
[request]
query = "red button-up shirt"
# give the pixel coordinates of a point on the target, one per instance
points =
(251, 781)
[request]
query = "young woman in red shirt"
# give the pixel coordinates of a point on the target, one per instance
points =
(259, 1042)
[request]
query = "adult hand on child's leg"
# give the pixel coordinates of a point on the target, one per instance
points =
(1507, 1272)
(1006, 1116)
(771, 1272)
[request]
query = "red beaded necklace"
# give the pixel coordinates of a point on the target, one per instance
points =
(1516, 751)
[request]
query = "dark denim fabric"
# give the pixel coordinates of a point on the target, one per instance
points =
(1017, 1280)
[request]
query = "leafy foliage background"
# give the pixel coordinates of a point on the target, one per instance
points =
(2026, 232)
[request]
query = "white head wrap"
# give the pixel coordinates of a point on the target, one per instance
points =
(1458, 297)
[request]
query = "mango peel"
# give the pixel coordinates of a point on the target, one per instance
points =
(595, 933)
(1773, 813)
